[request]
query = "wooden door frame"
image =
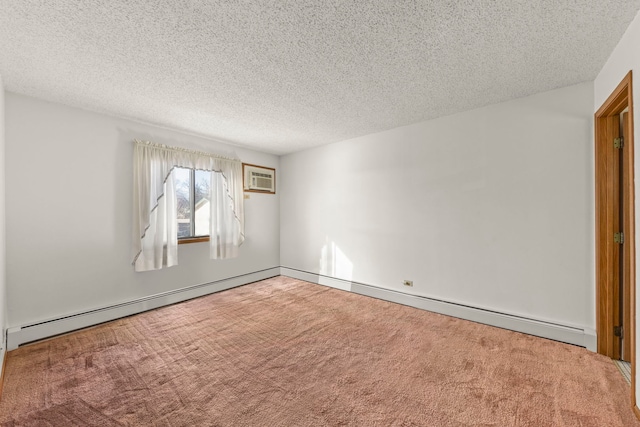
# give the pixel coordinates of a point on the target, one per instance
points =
(608, 252)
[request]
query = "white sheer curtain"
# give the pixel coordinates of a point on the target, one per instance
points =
(155, 241)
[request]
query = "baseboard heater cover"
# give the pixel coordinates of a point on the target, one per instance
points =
(17, 336)
(583, 337)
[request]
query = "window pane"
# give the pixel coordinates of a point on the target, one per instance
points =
(183, 194)
(202, 206)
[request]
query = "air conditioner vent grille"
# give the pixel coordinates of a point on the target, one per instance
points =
(259, 179)
(262, 182)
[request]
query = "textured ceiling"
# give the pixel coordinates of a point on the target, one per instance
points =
(281, 76)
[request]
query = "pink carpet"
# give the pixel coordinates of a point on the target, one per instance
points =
(283, 352)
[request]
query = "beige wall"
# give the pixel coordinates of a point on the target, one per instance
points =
(490, 208)
(3, 284)
(69, 209)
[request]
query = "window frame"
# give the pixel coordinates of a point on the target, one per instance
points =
(185, 240)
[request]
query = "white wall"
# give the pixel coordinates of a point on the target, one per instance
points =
(69, 209)
(3, 284)
(491, 208)
(625, 57)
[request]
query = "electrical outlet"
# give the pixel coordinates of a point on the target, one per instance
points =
(408, 282)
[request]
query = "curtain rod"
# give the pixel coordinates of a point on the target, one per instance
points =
(185, 150)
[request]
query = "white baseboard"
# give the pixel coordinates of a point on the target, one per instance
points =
(17, 336)
(316, 278)
(591, 339)
(568, 334)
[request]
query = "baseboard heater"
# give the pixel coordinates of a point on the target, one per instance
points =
(20, 335)
(17, 336)
(583, 337)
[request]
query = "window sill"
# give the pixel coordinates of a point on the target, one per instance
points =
(193, 240)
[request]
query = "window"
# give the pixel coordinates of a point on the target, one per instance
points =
(193, 204)
(155, 212)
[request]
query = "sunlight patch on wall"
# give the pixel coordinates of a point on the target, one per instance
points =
(334, 262)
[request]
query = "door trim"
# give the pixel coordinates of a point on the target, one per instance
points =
(607, 252)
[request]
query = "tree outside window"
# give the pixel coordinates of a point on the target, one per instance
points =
(193, 204)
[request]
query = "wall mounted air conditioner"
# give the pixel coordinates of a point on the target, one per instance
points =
(259, 179)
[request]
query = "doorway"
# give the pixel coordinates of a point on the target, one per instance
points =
(615, 226)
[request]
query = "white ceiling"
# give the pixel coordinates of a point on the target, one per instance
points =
(282, 76)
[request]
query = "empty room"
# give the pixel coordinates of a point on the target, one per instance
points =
(318, 213)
